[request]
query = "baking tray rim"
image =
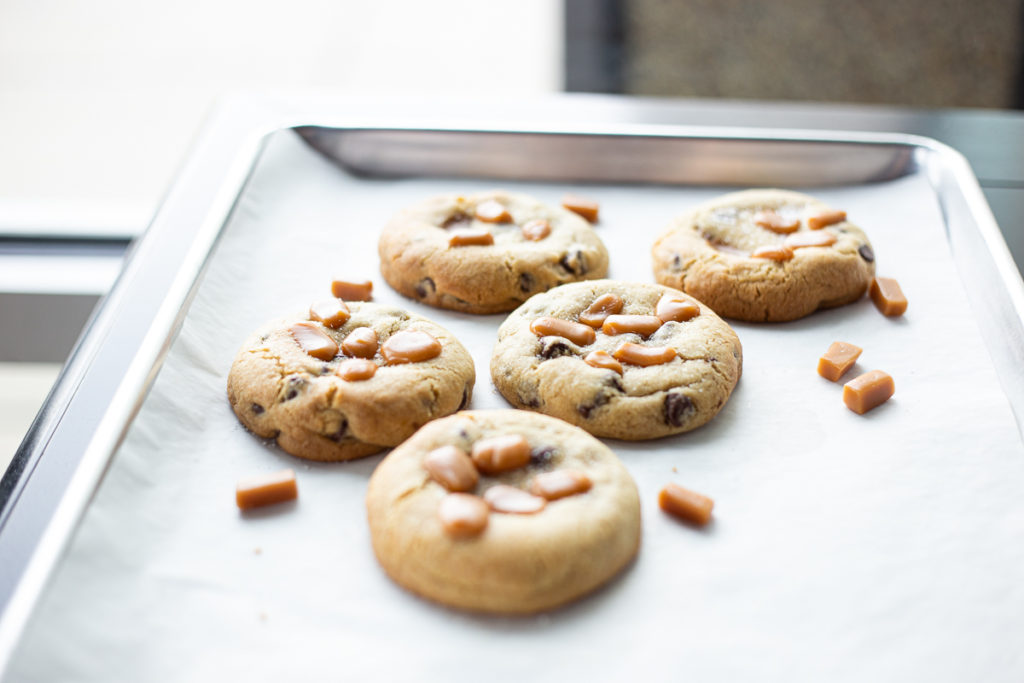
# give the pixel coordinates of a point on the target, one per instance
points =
(228, 149)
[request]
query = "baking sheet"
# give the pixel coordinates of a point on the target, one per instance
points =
(882, 547)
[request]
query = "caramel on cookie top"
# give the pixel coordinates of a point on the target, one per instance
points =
(670, 308)
(474, 225)
(463, 514)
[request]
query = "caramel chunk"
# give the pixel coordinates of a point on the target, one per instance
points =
(360, 342)
(776, 222)
(644, 325)
(463, 515)
(574, 332)
(357, 369)
(470, 238)
(868, 391)
(602, 307)
(603, 360)
(685, 504)
(778, 252)
(536, 230)
(800, 240)
(501, 453)
(313, 341)
(266, 489)
(410, 346)
(675, 308)
(559, 484)
(352, 291)
(582, 206)
(636, 354)
(825, 219)
(452, 468)
(491, 211)
(839, 358)
(509, 499)
(888, 296)
(333, 313)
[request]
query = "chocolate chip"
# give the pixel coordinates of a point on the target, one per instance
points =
(574, 262)
(676, 408)
(866, 253)
(600, 399)
(525, 283)
(339, 435)
(465, 398)
(614, 383)
(553, 347)
(457, 220)
(677, 262)
(292, 393)
(257, 409)
(324, 369)
(529, 401)
(541, 456)
(425, 288)
(295, 384)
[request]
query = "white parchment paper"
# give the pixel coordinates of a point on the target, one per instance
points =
(883, 547)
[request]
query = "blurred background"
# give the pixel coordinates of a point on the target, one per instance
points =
(100, 101)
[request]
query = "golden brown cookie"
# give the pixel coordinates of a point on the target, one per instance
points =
(625, 360)
(765, 255)
(348, 380)
(487, 252)
(502, 511)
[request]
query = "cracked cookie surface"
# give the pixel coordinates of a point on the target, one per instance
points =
(533, 248)
(278, 390)
(517, 562)
(547, 373)
(707, 252)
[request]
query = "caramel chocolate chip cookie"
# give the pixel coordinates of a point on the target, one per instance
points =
(487, 252)
(765, 255)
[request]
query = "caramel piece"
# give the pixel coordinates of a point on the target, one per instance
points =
(357, 369)
(644, 325)
(501, 453)
(515, 501)
(637, 354)
(332, 313)
(602, 307)
(352, 291)
(888, 296)
(470, 238)
(776, 222)
(603, 360)
(868, 391)
(839, 358)
(410, 346)
(452, 468)
(491, 211)
(463, 515)
(685, 504)
(536, 230)
(266, 489)
(800, 240)
(559, 484)
(313, 341)
(582, 206)
(778, 252)
(360, 342)
(574, 332)
(673, 307)
(825, 219)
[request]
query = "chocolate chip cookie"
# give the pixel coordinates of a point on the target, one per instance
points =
(347, 380)
(765, 255)
(502, 511)
(621, 360)
(487, 252)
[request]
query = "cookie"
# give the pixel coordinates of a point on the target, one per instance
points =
(487, 252)
(348, 380)
(765, 255)
(619, 359)
(502, 511)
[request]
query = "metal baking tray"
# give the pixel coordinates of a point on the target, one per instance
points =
(58, 469)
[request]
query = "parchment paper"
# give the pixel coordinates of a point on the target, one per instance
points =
(883, 547)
